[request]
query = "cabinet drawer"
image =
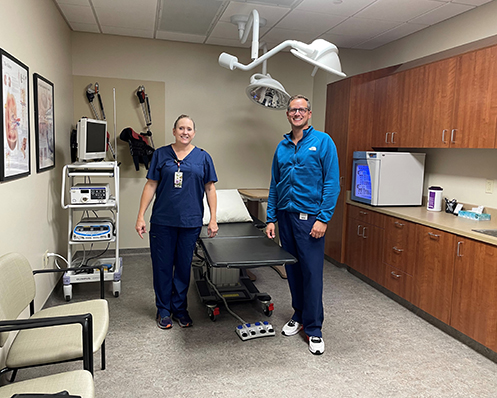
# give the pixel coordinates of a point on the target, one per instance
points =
(366, 215)
(399, 250)
(398, 282)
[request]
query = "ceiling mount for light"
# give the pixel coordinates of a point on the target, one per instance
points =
(263, 89)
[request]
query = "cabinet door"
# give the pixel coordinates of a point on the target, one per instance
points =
(475, 115)
(336, 126)
(474, 299)
(434, 272)
(387, 112)
(398, 246)
(411, 110)
(372, 253)
(355, 244)
(437, 102)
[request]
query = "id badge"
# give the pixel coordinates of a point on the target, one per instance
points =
(303, 216)
(178, 179)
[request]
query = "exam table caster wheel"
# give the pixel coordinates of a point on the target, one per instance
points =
(268, 309)
(213, 312)
(116, 288)
(67, 289)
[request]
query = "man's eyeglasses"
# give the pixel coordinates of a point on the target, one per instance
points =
(293, 111)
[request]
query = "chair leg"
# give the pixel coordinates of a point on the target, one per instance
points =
(102, 348)
(13, 377)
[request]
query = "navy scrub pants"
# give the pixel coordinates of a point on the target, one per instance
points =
(305, 277)
(171, 249)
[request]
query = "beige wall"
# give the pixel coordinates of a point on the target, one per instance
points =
(32, 218)
(240, 136)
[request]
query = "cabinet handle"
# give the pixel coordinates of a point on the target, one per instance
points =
(399, 224)
(433, 236)
(458, 254)
(393, 141)
(364, 232)
(341, 181)
(358, 228)
(396, 249)
(363, 213)
(443, 136)
(386, 138)
(395, 275)
(452, 136)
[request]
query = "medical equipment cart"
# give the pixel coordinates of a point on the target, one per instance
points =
(76, 176)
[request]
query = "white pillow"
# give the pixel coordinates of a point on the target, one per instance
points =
(230, 207)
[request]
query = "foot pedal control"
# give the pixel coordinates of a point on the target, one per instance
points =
(249, 331)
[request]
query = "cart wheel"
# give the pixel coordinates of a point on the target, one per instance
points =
(67, 292)
(213, 312)
(268, 309)
(116, 294)
(116, 288)
(68, 298)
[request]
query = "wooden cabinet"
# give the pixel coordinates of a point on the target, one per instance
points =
(475, 112)
(474, 298)
(364, 237)
(437, 92)
(434, 272)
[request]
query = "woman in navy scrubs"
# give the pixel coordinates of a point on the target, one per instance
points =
(178, 176)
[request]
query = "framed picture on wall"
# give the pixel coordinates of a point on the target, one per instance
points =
(14, 140)
(44, 123)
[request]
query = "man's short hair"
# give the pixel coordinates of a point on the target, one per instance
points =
(298, 96)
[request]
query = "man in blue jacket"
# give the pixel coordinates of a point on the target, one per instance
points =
(302, 197)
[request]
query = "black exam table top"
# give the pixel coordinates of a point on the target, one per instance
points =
(242, 245)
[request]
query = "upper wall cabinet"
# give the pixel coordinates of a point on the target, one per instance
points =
(475, 111)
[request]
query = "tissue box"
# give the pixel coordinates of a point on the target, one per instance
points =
(474, 216)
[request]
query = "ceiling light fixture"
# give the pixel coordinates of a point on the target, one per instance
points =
(263, 89)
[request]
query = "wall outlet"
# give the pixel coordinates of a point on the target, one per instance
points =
(45, 259)
(489, 186)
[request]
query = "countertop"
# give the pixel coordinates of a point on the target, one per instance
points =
(438, 219)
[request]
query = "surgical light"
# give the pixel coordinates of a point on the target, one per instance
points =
(263, 89)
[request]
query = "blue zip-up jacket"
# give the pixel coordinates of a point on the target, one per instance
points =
(305, 177)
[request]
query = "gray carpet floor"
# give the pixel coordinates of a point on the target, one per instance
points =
(374, 347)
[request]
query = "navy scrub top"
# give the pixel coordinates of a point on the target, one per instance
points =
(180, 207)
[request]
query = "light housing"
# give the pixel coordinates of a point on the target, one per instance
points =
(265, 91)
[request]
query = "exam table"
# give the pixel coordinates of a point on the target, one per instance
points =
(225, 259)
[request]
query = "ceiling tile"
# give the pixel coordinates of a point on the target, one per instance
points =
(347, 8)
(180, 37)
(342, 41)
(300, 20)
(115, 30)
(271, 14)
(361, 27)
(398, 10)
(394, 34)
(85, 27)
(472, 2)
(74, 2)
(135, 19)
(80, 14)
(440, 14)
(279, 35)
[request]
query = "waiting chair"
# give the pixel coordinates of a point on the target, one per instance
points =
(34, 346)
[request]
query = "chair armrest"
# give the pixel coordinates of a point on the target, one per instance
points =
(85, 320)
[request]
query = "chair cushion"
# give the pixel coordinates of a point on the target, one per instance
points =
(76, 382)
(58, 343)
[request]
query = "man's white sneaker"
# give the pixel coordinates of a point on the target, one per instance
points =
(316, 345)
(291, 328)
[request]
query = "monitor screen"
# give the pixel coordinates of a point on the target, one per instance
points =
(362, 187)
(94, 134)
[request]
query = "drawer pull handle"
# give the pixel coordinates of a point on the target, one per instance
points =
(364, 232)
(397, 250)
(358, 228)
(443, 136)
(399, 224)
(458, 249)
(363, 213)
(433, 236)
(395, 275)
